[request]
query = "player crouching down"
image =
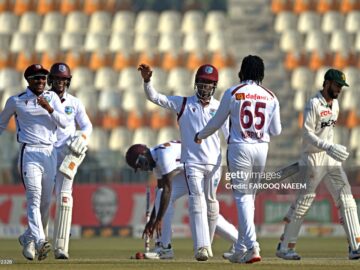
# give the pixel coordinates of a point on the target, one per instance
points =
(71, 146)
(164, 161)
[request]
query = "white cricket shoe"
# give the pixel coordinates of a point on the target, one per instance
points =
(202, 254)
(162, 253)
(60, 254)
(354, 254)
(29, 250)
(287, 254)
(250, 256)
(229, 253)
(43, 249)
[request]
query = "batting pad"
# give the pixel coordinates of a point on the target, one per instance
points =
(296, 216)
(64, 207)
(350, 218)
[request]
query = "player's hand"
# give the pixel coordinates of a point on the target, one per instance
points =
(196, 139)
(146, 72)
(43, 103)
(148, 231)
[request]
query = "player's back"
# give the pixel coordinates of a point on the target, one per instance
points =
(254, 113)
(167, 157)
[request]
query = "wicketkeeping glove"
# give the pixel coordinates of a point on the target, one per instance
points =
(338, 152)
(79, 144)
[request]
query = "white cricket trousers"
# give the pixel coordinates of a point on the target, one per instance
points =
(37, 165)
(202, 182)
(248, 162)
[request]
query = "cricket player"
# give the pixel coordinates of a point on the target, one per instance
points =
(38, 115)
(321, 159)
(201, 162)
(71, 146)
(254, 116)
(164, 161)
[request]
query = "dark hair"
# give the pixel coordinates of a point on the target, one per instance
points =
(252, 68)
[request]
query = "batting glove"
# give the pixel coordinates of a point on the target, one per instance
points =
(79, 144)
(338, 152)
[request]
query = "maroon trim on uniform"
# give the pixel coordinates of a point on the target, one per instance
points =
(237, 88)
(182, 108)
(228, 139)
(21, 164)
(186, 181)
(267, 90)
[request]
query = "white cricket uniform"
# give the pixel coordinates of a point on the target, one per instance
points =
(75, 115)
(201, 162)
(167, 159)
(36, 132)
(254, 116)
(316, 165)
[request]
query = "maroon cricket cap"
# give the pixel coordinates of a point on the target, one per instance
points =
(35, 69)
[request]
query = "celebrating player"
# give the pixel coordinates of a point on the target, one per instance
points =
(201, 162)
(38, 114)
(71, 146)
(321, 159)
(254, 116)
(164, 161)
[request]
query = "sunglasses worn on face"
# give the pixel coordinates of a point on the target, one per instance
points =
(37, 77)
(142, 163)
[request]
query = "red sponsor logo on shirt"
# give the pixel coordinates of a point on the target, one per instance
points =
(325, 113)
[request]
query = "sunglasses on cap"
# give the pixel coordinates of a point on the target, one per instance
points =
(37, 77)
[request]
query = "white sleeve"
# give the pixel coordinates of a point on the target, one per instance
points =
(219, 118)
(82, 119)
(225, 129)
(275, 124)
(310, 120)
(58, 115)
(7, 112)
(173, 103)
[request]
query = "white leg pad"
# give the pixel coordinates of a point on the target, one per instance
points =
(63, 218)
(350, 220)
(295, 219)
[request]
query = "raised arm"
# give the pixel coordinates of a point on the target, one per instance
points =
(173, 103)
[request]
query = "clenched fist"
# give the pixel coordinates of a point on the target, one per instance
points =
(146, 72)
(43, 103)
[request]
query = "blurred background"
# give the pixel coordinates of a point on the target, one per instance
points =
(103, 41)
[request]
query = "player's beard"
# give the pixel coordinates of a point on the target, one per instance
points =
(332, 93)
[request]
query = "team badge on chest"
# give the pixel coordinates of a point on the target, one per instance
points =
(69, 110)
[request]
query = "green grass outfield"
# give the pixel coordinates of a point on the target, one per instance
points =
(114, 253)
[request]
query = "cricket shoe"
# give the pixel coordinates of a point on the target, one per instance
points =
(229, 253)
(60, 254)
(354, 254)
(28, 251)
(288, 254)
(162, 253)
(250, 256)
(202, 254)
(43, 249)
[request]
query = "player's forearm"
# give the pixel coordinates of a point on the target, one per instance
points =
(314, 140)
(164, 201)
(151, 93)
